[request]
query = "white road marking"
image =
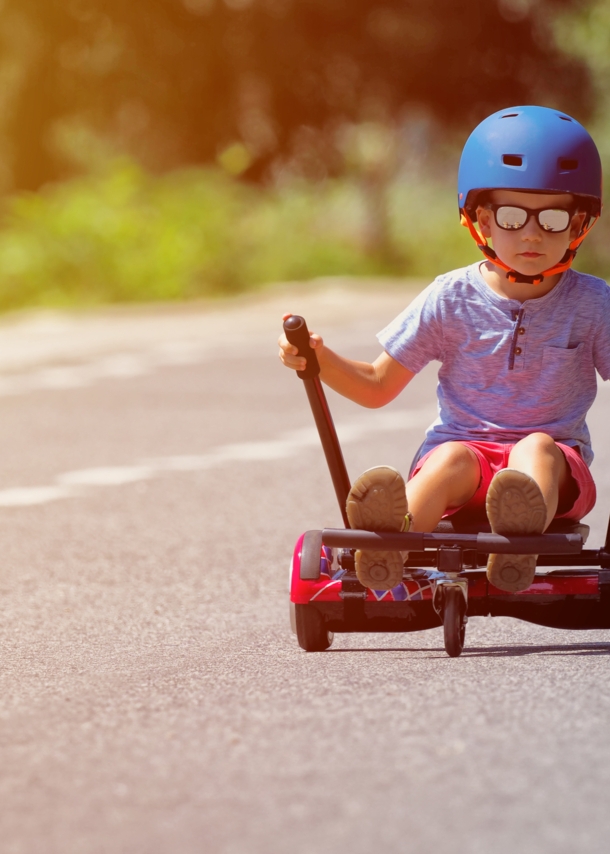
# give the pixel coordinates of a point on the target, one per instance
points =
(106, 476)
(28, 495)
(69, 484)
(289, 443)
(118, 366)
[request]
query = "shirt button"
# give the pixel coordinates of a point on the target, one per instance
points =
(518, 351)
(522, 330)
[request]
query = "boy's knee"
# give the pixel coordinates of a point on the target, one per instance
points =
(538, 443)
(453, 456)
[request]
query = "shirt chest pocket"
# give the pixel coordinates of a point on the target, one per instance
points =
(560, 372)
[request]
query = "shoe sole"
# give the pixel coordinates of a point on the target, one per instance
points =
(379, 570)
(377, 502)
(514, 505)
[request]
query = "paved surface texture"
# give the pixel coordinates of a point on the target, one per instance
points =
(157, 468)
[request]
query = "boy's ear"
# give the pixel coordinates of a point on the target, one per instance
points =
(578, 222)
(484, 219)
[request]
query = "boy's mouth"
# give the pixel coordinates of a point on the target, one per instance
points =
(531, 254)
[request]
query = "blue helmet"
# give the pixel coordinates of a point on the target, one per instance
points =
(530, 149)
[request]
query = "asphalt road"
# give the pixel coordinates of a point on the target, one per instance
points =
(156, 470)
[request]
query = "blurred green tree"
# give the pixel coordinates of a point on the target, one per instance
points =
(259, 83)
(584, 32)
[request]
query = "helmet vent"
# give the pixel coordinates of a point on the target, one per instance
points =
(510, 115)
(567, 165)
(512, 160)
(565, 118)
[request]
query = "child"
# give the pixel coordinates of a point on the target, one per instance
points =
(519, 337)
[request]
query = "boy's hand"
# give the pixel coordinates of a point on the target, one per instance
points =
(288, 352)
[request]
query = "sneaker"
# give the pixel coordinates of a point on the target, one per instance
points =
(378, 502)
(514, 505)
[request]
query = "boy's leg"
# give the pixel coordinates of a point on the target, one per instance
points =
(538, 456)
(523, 499)
(448, 479)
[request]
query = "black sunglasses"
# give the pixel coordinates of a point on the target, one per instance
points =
(512, 217)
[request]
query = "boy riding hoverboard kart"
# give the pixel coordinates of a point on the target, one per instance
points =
(519, 336)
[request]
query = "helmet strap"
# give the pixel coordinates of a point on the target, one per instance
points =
(514, 275)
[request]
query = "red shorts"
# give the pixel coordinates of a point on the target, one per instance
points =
(493, 456)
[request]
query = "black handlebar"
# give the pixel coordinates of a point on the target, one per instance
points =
(298, 334)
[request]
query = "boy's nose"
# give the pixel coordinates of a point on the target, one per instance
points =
(531, 230)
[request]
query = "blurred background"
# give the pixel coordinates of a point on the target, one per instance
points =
(170, 149)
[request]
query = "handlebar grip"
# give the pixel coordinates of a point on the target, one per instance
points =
(298, 334)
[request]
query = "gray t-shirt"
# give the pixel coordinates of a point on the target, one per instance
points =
(507, 368)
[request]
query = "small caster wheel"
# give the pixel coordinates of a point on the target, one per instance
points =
(454, 621)
(312, 634)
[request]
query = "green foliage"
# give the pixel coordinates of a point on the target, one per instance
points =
(118, 236)
(263, 98)
(262, 82)
(123, 235)
(583, 31)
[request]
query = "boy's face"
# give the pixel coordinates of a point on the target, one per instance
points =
(529, 250)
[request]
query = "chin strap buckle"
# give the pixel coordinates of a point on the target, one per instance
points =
(519, 278)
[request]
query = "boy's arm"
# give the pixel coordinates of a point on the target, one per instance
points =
(372, 385)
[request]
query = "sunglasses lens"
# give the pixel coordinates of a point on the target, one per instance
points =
(509, 217)
(554, 220)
